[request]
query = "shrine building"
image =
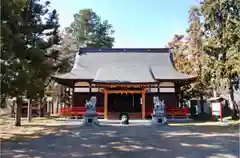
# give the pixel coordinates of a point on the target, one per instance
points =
(123, 80)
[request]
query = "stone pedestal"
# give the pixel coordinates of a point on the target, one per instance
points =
(90, 116)
(159, 119)
(158, 115)
(124, 119)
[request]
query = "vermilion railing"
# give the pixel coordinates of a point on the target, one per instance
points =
(177, 111)
(79, 110)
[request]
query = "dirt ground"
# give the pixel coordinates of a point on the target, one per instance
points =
(39, 126)
(67, 139)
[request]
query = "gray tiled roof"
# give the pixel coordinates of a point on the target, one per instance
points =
(168, 72)
(124, 73)
(125, 67)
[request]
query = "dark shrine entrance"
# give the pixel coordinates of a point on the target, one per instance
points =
(125, 102)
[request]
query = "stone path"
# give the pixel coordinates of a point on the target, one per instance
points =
(127, 141)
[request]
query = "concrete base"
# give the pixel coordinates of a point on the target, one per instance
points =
(118, 122)
(90, 121)
(159, 120)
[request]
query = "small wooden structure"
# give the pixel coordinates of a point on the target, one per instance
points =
(217, 107)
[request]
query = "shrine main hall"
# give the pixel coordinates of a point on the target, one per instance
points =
(124, 80)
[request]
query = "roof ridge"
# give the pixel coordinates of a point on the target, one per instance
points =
(122, 50)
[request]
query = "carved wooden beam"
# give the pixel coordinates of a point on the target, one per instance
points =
(121, 85)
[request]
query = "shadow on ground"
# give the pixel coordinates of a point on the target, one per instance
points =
(126, 141)
(26, 132)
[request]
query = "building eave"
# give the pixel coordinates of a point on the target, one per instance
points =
(67, 79)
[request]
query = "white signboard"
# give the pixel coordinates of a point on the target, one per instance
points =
(216, 108)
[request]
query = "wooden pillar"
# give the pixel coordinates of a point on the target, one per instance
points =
(64, 95)
(90, 87)
(221, 116)
(39, 108)
(177, 93)
(29, 110)
(73, 91)
(48, 107)
(61, 96)
(105, 104)
(90, 90)
(143, 104)
(53, 105)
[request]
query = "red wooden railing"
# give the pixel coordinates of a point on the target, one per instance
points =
(171, 111)
(79, 110)
(177, 111)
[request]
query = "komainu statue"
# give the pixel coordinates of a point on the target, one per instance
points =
(159, 114)
(90, 115)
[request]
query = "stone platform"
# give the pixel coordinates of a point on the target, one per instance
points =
(134, 122)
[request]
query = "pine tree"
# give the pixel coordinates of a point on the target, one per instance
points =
(26, 64)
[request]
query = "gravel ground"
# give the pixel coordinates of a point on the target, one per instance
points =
(127, 141)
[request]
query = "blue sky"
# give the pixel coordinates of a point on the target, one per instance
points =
(137, 23)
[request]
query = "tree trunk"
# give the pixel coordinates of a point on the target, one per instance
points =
(41, 108)
(233, 104)
(29, 110)
(57, 105)
(13, 108)
(3, 101)
(202, 104)
(18, 112)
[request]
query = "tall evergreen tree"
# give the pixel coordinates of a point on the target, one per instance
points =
(28, 30)
(195, 33)
(222, 41)
(90, 31)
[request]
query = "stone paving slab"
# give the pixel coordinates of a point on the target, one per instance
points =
(126, 141)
